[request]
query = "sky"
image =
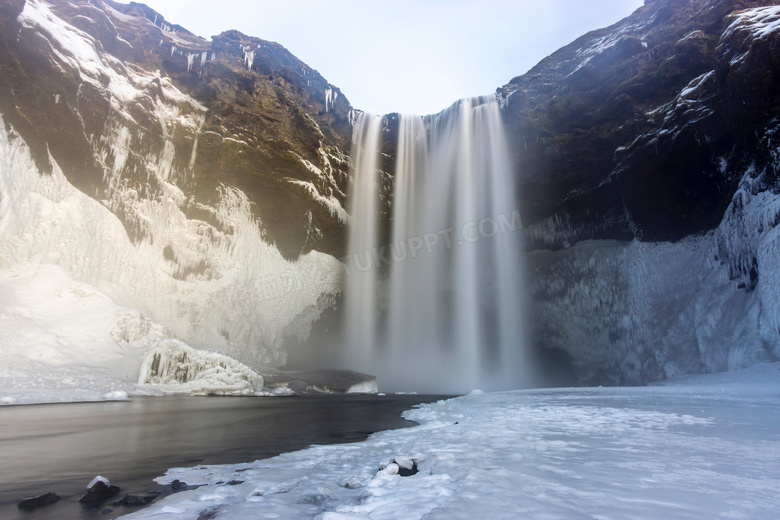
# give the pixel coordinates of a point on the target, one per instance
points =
(408, 56)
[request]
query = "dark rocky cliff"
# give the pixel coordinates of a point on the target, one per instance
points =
(648, 158)
(644, 129)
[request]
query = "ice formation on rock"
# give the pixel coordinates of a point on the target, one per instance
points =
(215, 284)
(182, 369)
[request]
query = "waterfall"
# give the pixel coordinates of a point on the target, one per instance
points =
(439, 308)
(361, 281)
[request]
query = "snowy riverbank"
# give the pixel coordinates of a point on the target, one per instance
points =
(700, 447)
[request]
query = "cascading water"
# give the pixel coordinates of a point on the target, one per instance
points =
(439, 307)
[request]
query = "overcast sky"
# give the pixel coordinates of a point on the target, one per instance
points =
(412, 56)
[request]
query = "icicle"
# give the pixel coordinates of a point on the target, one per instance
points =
(190, 59)
(203, 58)
(328, 98)
(249, 57)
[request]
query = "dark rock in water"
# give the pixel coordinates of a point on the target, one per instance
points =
(30, 503)
(235, 482)
(324, 381)
(99, 491)
(134, 500)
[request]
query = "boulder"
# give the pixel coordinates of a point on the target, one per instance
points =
(30, 503)
(99, 489)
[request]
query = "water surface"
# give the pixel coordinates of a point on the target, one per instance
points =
(61, 447)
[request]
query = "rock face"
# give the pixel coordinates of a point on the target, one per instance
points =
(113, 117)
(644, 129)
(202, 182)
(661, 130)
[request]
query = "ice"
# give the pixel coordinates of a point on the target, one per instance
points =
(249, 57)
(177, 368)
(616, 296)
(331, 203)
(329, 98)
(702, 447)
(599, 45)
(759, 22)
(97, 479)
(226, 290)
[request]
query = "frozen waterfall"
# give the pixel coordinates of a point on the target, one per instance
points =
(434, 296)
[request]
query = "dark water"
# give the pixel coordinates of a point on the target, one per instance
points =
(61, 447)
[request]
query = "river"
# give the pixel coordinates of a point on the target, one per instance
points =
(62, 447)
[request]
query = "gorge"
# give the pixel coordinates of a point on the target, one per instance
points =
(206, 189)
(589, 259)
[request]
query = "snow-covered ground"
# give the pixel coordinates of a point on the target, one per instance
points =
(699, 447)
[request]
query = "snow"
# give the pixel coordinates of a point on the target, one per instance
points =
(695, 84)
(601, 44)
(73, 49)
(331, 203)
(97, 479)
(176, 368)
(704, 447)
(209, 290)
(759, 22)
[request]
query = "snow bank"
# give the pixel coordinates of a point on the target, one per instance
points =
(669, 452)
(178, 368)
(64, 340)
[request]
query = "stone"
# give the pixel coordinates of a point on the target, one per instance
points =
(134, 500)
(30, 503)
(100, 490)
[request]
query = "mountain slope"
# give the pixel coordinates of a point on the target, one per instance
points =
(122, 100)
(659, 134)
(200, 182)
